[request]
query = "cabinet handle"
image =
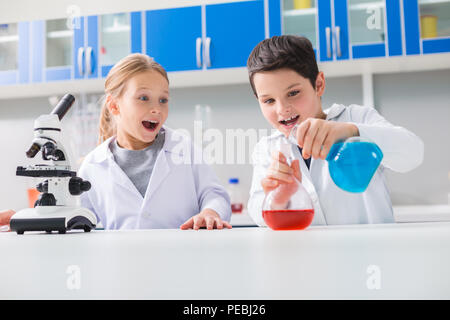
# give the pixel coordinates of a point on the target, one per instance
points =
(89, 58)
(198, 46)
(80, 61)
(328, 35)
(337, 31)
(207, 53)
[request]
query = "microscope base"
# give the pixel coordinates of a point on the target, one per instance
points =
(53, 218)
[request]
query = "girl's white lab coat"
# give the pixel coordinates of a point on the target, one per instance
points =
(181, 185)
(402, 150)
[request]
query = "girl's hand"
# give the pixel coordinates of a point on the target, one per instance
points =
(206, 218)
(316, 136)
(282, 175)
(5, 217)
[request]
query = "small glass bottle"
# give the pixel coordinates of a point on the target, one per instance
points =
(289, 206)
(237, 204)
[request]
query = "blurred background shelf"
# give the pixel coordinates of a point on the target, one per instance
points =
(422, 213)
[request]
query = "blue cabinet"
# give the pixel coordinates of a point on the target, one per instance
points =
(119, 35)
(232, 31)
(205, 37)
(427, 26)
(85, 48)
(52, 44)
(56, 46)
(14, 53)
(342, 30)
(174, 37)
(82, 48)
(220, 35)
(101, 41)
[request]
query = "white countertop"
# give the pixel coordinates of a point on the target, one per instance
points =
(412, 260)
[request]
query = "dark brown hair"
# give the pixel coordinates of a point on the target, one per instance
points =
(280, 52)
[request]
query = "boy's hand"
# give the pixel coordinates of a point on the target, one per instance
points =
(282, 175)
(206, 218)
(5, 217)
(316, 136)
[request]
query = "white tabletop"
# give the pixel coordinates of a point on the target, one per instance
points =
(410, 260)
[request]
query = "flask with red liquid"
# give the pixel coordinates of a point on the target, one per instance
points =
(289, 206)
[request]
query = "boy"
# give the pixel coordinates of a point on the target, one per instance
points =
(286, 81)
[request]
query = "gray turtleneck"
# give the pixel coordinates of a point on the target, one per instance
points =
(138, 164)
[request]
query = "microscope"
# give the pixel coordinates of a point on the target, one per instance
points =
(57, 208)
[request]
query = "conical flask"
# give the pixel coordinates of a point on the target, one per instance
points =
(289, 206)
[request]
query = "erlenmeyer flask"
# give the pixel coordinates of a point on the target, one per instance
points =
(351, 163)
(289, 206)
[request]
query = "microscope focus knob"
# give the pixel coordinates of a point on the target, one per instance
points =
(85, 186)
(77, 186)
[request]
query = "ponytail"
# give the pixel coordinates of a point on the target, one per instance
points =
(107, 126)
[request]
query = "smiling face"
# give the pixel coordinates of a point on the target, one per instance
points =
(287, 98)
(141, 109)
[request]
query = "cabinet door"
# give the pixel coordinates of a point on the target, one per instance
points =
(14, 53)
(373, 27)
(85, 48)
(340, 30)
(92, 55)
(325, 30)
(172, 37)
(58, 50)
(299, 18)
(234, 29)
(427, 26)
(120, 35)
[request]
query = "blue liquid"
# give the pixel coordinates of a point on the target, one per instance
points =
(353, 164)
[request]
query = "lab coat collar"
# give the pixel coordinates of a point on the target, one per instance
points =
(103, 152)
(334, 111)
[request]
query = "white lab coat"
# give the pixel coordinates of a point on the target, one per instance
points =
(181, 185)
(402, 150)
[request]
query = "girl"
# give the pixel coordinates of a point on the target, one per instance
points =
(288, 86)
(143, 174)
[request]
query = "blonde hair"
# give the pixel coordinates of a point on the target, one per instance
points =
(115, 83)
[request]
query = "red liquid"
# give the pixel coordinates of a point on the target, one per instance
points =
(288, 219)
(237, 207)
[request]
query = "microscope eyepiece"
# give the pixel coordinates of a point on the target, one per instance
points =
(63, 105)
(34, 149)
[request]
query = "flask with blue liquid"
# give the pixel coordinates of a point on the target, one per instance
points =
(351, 163)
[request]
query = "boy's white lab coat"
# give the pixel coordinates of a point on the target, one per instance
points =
(181, 185)
(402, 150)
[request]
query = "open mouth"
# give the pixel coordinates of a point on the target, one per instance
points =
(150, 125)
(289, 122)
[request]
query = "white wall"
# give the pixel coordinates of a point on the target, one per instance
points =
(419, 101)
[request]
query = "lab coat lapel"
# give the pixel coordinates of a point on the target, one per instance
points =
(120, 177)
(159, 173)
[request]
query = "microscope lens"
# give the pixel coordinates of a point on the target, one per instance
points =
(34, 149)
